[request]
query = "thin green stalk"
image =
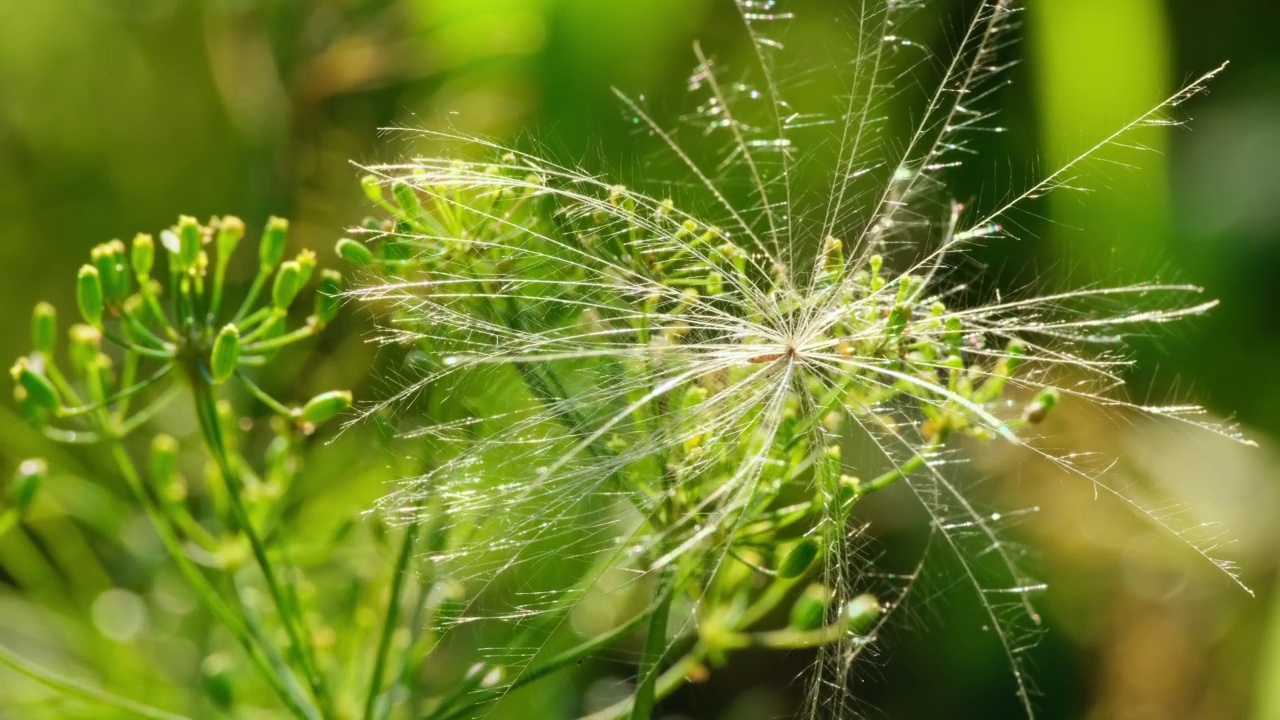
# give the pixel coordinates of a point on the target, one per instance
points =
(207, 411)
(565, 659)
(201, 585)
(88, 694)
(392, 618)
(655, 646)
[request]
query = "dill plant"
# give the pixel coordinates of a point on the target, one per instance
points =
(648, 414)
(704, 379)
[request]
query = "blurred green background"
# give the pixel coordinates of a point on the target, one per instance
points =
(116, 116)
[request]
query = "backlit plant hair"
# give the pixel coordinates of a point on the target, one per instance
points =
(690, 372)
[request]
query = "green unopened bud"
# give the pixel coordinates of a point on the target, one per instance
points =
(85, 342)
(861, 613)
(44, 328)
(288, 283)
(226, 355)
(356, 253)
(1037, 410)
(328, 296)
(875, 263)
(109, 259)
(27, 480)
(832, 254)
(189, 235)
(274, 237)
(164, 460)
(37, 387)
(230, 233)
(89, 295)
(954, 332)
(810, 609)
(143, 256)
(798, 561)
(323, 408)
(217, 674)
(372, 188)
(1016, 352)
(715, 283)
(307, 262)
(407, 198)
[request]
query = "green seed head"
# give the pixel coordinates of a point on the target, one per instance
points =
(274, 238)
(810, 608)
(230, 233)
(1037, 410)
(26, 482)
(372, 188)
(288, 283)
(328, 296)
(189, 236)
(407, 198)
(356, 253)
(861, 613)
(226, 354)
(323, 408)
(109, 259)
(89, 295)
(798, 561)
(164, 460)
(307, 262)
(85, 343)
(143, 256)
(35, 386)
(44, 328)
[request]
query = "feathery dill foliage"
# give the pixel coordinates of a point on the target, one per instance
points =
(688, 378)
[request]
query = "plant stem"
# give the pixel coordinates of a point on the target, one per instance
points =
(203, 589)
(70, 687)
(392, 618)
(655, 646)
(206, 409)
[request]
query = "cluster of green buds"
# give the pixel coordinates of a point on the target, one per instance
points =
(174, 317)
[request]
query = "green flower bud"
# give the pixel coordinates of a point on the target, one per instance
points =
(328, 296)
(810, 609)
(99, 377)
(288, 283)
(356, 253)
(226, 355)
(274, 237)
(109, 259)
(230, 233)
(715, 283)
(37, 387)
(89, 295)
(26, 482)
(218, 677)
(307, 262)
(164, 460)
(1037, 410)
(85, 343)
(143, 256)
(189, 235)
(797, 562)
(861, 613)
(323, 408)
(407, 198)
(44, 328)
(372, 188)
(1017, 351)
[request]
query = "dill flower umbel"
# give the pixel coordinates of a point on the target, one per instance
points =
(693, 376)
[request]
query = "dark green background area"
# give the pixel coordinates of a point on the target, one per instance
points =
(117, 116)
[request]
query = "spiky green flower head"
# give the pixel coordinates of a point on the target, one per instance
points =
(689, 377)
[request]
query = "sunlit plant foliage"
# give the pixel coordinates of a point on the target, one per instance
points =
(646, 414)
